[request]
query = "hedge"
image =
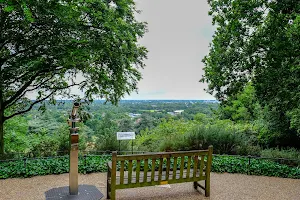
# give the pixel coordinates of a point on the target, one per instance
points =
(89, 164)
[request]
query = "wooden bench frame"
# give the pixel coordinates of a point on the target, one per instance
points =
(199, 171)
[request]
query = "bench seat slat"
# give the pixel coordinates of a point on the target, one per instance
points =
(188, 167)
(195, 167)
(201, 166)
(168, 168)
(174, 168)
(171, 173)
(142, 184)
(138, 167)
(153, 170)
(181, 167)
(160, 169)
(122, 172)
(145, 170)
(129, 171)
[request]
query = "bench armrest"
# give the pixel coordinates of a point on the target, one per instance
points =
(109, 166)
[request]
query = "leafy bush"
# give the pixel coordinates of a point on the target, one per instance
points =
(106, 133)
(89, 164)
(167, 136)
(257, 167)
(57, 165)
(226, 136)
(225, 139)
(290, 153)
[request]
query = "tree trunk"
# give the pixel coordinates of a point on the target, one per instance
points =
(1, 132)
(1, 114)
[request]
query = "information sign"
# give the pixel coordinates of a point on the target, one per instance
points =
(125, 135)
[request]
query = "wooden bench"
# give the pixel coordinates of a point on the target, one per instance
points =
(141, 170)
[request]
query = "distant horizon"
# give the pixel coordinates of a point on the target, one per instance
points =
(142, 100)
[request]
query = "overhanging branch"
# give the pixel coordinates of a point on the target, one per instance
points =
(30, 107)
(35, 87)
(19, 93)
(41, 100)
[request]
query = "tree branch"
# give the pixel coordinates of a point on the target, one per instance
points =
(43, 99)
(29, 90)
(3, 44)
(23, 51)
(26, 85)
(30, 107)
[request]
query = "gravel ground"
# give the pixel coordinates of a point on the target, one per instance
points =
(223, 186)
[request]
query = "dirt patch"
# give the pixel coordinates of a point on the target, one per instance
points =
(223, 186)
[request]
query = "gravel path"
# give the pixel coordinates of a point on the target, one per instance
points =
(223, 186)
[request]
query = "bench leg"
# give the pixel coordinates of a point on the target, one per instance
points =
(107, 188)
(108, 185)
(113, 194)
(207, 187)
(195, 185)
(108, 191)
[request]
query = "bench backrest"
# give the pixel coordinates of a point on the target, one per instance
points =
(195, 165)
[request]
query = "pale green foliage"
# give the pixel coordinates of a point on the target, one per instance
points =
(242, 107)
(224, 135)
(41, 135)
(202, 118)
(16, 135)
(164, 136)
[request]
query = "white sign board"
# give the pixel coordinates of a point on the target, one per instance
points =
(125, 135)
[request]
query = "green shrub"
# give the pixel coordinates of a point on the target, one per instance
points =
(89, 164)
(248, 149)
(224, 139)
(167, 136)
(176, 135)
(57, 165)
(257, 167)
(290, 153)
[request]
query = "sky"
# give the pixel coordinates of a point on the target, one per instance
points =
(178, 38)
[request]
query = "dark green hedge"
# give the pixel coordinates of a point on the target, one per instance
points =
(89, 164)
(34, 167)
(262, 167)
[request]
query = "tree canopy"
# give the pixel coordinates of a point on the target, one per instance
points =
(258, 42)
(49, 47)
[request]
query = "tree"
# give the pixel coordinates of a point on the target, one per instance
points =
(106, 133)
(146, 121)
(16, 131)
(125, 125)
(257, 42)
(242, 108)
(49, 47)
